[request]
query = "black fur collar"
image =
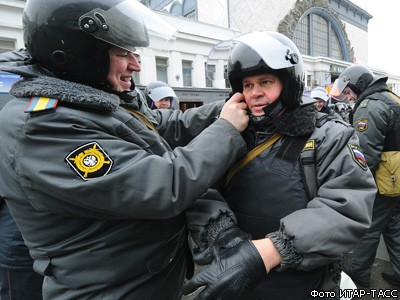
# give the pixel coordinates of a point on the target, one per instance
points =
(298, 122)
(66, 91)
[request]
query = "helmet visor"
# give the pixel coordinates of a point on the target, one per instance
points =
(161, 92)
(270, 49)
(128, 25)
(219, 53)
(338, 88)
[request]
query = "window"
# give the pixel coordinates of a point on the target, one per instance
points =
(210, 75)
(187, 72)
(7, 45)
(189, 9)
(185, 105)
(315, 35)
(309, 80)
(336, 50)
(176, 9)
(191, 14)
(136, 75)
(320, 36)
(301, 35)
(161, 69)
(227, 83)
(145, 2)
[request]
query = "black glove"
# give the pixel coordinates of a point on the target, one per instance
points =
(233, 274)
(227, 238)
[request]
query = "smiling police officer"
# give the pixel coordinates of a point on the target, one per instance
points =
(94, 187)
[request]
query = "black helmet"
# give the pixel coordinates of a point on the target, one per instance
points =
(71, 38)
(264, 51)
(356, 77)
(158, 90)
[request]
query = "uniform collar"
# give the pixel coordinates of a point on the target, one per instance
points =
(66, 91)
(297, 122)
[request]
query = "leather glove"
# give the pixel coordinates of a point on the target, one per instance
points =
(233, 273)
(227, 238)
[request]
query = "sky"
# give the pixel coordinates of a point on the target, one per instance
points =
(383, 34)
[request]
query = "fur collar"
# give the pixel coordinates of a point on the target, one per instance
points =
(297, 122)
(66, 91)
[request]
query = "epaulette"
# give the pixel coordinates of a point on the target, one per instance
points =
(364, 103)
(41, 104)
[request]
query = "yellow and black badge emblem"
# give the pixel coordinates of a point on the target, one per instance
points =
(310, 145)
(89, 161)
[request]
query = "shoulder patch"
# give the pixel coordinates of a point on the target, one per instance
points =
(89, 161)
(310, 145)
(362, 124)
(364, 103)
(41, 104)
(358, 156)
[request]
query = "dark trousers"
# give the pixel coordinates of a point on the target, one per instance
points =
(20, 285)
(385, 221)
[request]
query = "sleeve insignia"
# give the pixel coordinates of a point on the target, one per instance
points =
(364, 103)
(362, 124)
(89, 161)
(310, 145)
(358, 156)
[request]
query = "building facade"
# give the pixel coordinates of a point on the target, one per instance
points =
(331, 35)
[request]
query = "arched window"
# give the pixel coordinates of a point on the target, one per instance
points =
(318, 34)
(176, 9)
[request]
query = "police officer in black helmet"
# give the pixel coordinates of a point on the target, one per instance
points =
(86, 170)
(375, 117)
(292, 228)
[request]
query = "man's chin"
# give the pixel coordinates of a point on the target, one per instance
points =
(258, 113)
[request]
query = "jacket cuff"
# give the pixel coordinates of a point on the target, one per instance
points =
(291, 259)
(213, 228)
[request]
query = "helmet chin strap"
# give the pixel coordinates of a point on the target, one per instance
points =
(271, 111)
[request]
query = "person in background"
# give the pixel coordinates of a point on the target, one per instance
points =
(302, 196)
(342, 109)
(91, 182)
(375, 117)
(160, 95)
(321, 95)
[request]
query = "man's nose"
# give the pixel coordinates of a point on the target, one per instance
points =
(256, 90)
(134, 64)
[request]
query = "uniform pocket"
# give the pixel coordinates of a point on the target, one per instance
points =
(387, 175)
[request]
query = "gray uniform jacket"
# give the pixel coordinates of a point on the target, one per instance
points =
(98, 196)
(335, 220)
(319, 229)
(374, 117)
(269, 198)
